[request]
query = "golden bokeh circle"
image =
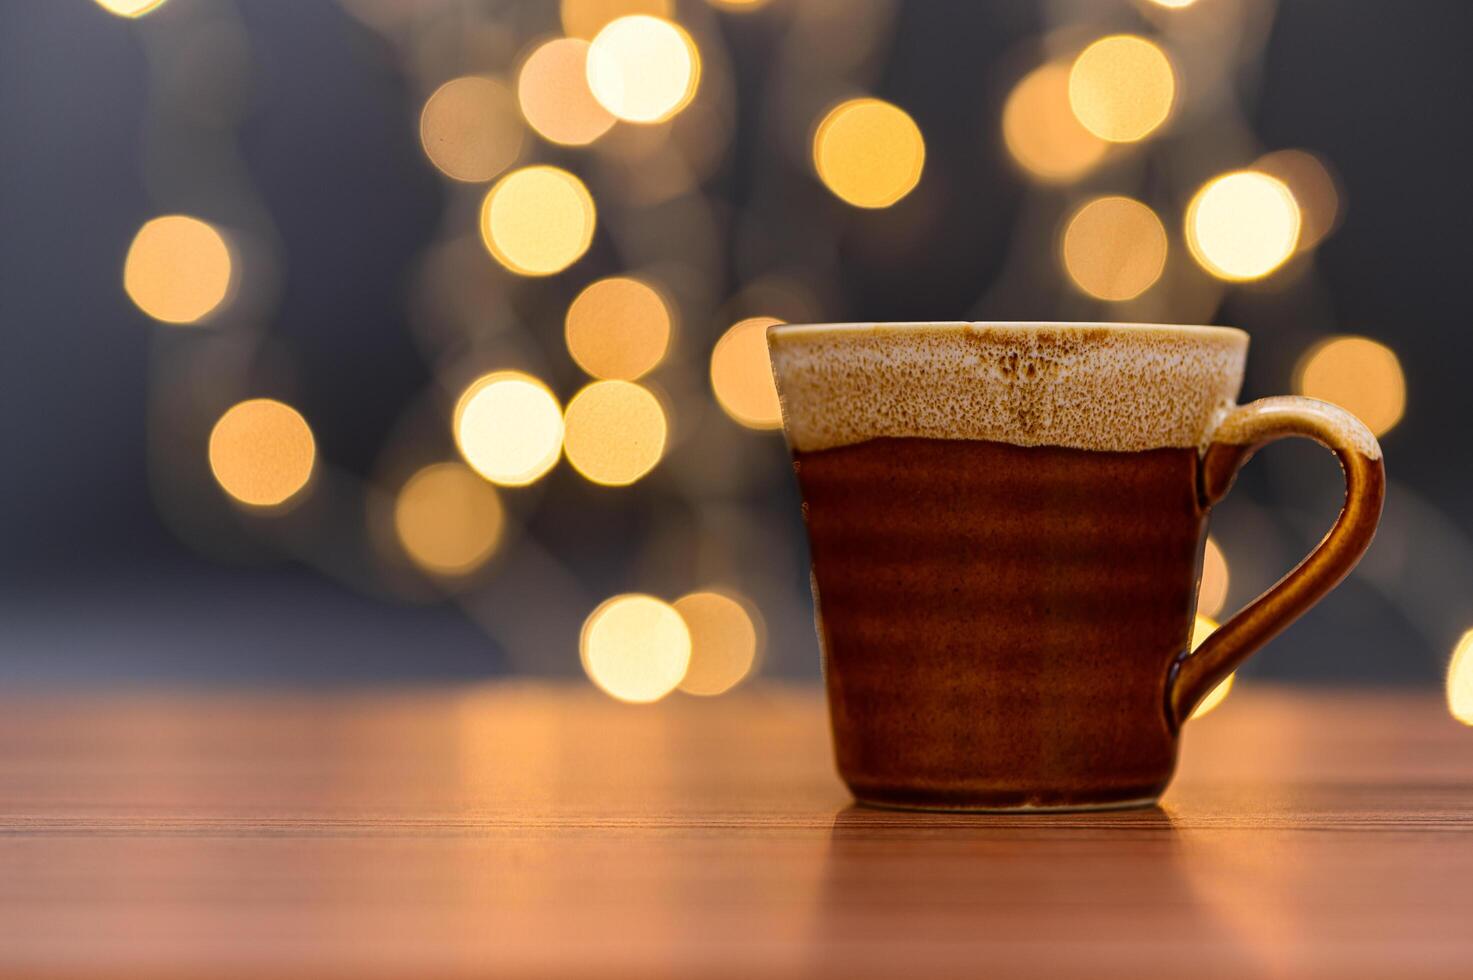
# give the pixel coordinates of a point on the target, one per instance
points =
(1460, 680)
(469, 128)
(130, 8)
(1114, 248)
(618, 328)
(1359, 374)
(509, 428)
(643, 69)
(538, 220)
(1213, 592)
(448, 519)
(614, 432)
(261, 452)
(1122, 88)
(1242, 225)
(868, 152)
(741, 374)
(1202, 628)
(585, 18)
(552, 89)
(1041, 132)
(178, 269)
(724, 642)
(635, 648)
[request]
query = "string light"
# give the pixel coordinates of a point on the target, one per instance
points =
(261, 452)
(448, 519)
(1242, 225)
(635, 648)
(537, 221)
(626, 60)
(741, 375)
(1040, 129)
(552, 89)
(614, 432)
(1213, 592)
(1360, 375)
(130, 8)
(585, 18)
(1114, 248)
(1460, 680)
(1121, 88)
(509, 428)
(618, 328)
(869, 153)
(643, 69)
(469, 128)
(1202, 628)
(724, 642)
(177, 269)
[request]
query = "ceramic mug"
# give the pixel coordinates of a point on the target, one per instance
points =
(1007, 523)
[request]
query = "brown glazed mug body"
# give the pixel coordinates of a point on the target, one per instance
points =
(1007, 523)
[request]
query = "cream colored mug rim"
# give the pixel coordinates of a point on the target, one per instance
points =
(1105, 386)
(780, 331)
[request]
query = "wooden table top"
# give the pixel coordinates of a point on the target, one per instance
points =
(525, 831)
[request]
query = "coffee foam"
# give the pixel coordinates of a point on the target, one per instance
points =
(1108, 387)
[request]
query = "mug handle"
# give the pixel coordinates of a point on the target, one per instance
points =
(1242, 433)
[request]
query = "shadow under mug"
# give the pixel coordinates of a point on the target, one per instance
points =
(1007, 523)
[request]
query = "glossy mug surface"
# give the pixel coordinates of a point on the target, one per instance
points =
(1006, 524)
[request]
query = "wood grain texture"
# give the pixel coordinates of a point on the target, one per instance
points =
(542, 832)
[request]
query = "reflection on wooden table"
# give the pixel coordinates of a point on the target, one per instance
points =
(540, 831)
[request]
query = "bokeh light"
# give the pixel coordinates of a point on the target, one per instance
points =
(537, 221)
(724, 642)
(1309, 181)
(741, 374)
(868, 152)
(1358, 374)
(509, 428)
(1121, 88)
(448, 519)
(1040, 129)
(1213, 593)
(1114, 248)
(643, 69)
(261, 452)
(1173, 4)
(614, 432)
(1202, 628)
(740, 6)
(178, 269)
(1242, 225)
(585, 18)
(618, 328)
(635, 648)
(130, 8)
(552, 88)
(470, 130)
(1460, 680)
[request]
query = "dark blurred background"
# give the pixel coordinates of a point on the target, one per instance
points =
(361, 295)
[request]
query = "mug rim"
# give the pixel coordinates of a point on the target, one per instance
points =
(779, 331)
